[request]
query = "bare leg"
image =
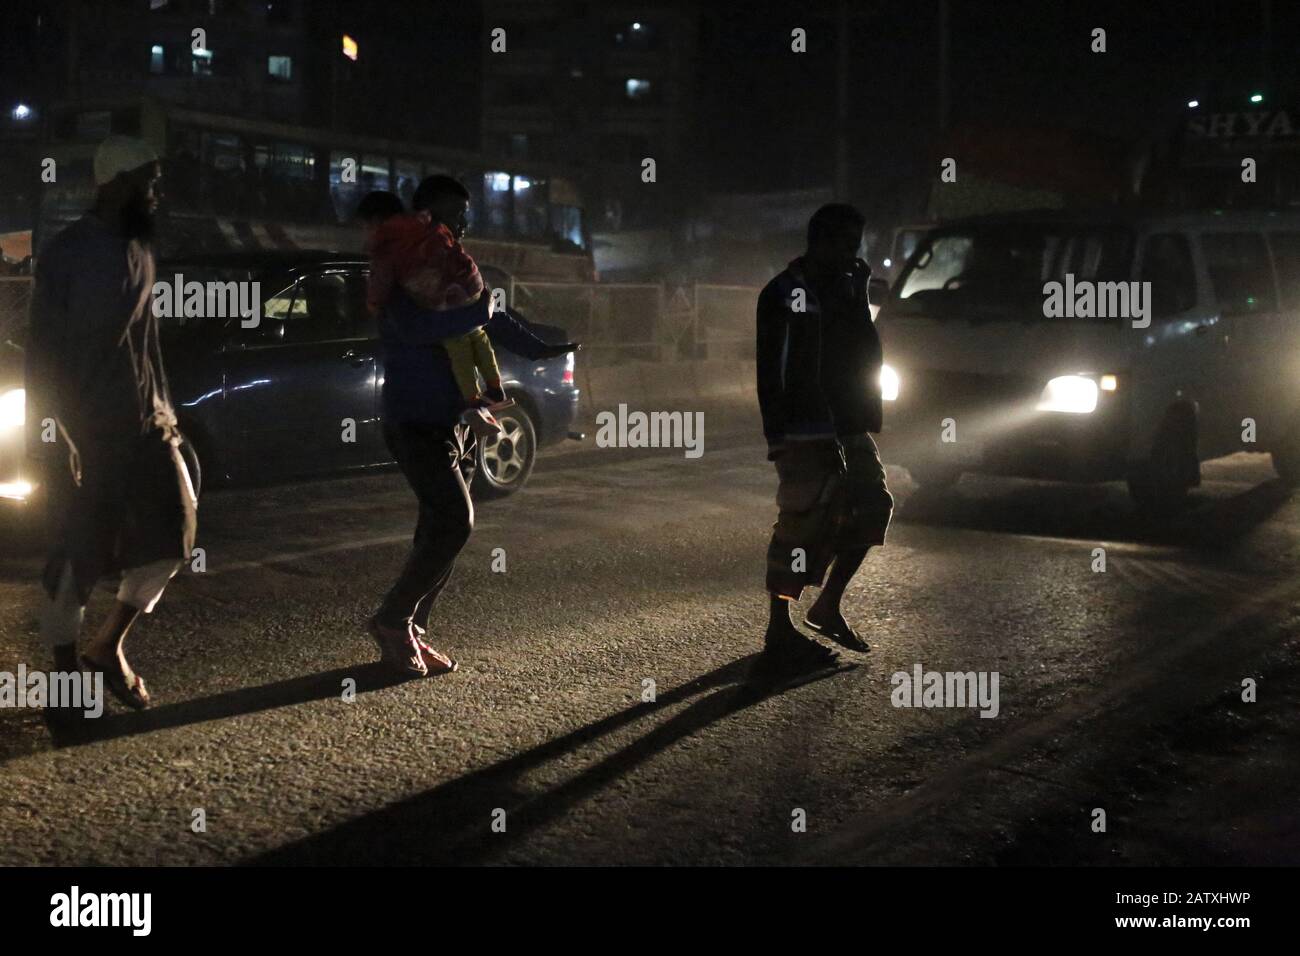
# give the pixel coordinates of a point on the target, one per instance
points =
(825, 614)
(107, 644)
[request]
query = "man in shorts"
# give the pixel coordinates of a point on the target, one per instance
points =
(819, 361)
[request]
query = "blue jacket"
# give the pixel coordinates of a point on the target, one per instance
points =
(419, 386)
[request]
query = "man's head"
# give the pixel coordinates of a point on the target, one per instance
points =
(446, 201)
(376, 207)
(128, 185)
(835, 235)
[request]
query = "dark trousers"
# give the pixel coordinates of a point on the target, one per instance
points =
(438, 463)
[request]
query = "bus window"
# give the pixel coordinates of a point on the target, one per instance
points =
(374, 173)
(496, 204)
(408, 177)
(566, 225)
(344, 194)
(530, 207)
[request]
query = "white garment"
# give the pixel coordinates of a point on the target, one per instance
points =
(141, 588)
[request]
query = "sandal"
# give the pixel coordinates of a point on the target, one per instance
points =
(435, 660)
(128, 688)
(847, 638)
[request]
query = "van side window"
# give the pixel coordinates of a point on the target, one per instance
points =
(1239, 267)
(1167, 265)
(1286, 256)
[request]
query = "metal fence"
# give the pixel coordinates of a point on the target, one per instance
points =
(616, 322)
(619, 322)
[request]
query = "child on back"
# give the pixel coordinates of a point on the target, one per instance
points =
(425, 260)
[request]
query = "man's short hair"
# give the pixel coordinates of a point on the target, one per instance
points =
(432, 189)
(831, 218)
(379, 205)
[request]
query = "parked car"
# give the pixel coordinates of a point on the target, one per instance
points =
(271, 403)
(983, 373)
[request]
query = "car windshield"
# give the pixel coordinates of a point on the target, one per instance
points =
(998, 272)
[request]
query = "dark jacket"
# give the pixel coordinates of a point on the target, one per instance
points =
(94, 365)
(419, 386)
(818, 369)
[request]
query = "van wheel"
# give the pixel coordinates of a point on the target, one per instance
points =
(934, 477)
(506, 461)
(1160, 484)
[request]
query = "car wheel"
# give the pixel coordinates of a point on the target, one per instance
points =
(506, 460)
(1160, 484)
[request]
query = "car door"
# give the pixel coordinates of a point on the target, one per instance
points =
(300, 388)
(1284, 397)
(1241, 274)
(1175, 359)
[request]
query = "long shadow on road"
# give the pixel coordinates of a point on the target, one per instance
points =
(451, 824)
(244, 700)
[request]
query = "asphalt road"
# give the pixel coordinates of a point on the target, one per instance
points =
(1118, 690)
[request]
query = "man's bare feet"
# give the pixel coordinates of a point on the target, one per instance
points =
(830, 623)
(398, 647)
(435, 660)
(122, 682)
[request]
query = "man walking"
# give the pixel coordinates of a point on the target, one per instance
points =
(101, 422)
(422, 409)
(819, 361)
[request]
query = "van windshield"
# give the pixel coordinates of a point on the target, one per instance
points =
(998, 272)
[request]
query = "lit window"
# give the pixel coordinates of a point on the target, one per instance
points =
(280, 67)
(201, 62)
(157, 63)
(637, 89)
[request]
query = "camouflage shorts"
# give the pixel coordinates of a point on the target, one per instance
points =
(831, 497)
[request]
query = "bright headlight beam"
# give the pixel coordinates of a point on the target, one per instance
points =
(1073, 394)
(888, 384)
(13, 409)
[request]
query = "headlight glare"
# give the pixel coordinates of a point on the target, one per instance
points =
(13, 409)
(888, 384)
(1073, 394)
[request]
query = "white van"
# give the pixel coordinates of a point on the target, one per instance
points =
(1095, 347)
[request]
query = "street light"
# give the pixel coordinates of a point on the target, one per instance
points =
(1257, 97)
(1192, 104)
(22, 111)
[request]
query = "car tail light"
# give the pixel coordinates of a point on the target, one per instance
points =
(567, 378)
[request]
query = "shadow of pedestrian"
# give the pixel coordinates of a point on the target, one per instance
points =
(450, 824)
(73, 731)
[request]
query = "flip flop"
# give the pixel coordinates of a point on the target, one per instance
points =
(435, 660)
(847, 639)
(128, 689)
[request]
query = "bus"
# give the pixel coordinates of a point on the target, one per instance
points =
(232, 183)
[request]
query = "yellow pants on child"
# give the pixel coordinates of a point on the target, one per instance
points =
(469, 353)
